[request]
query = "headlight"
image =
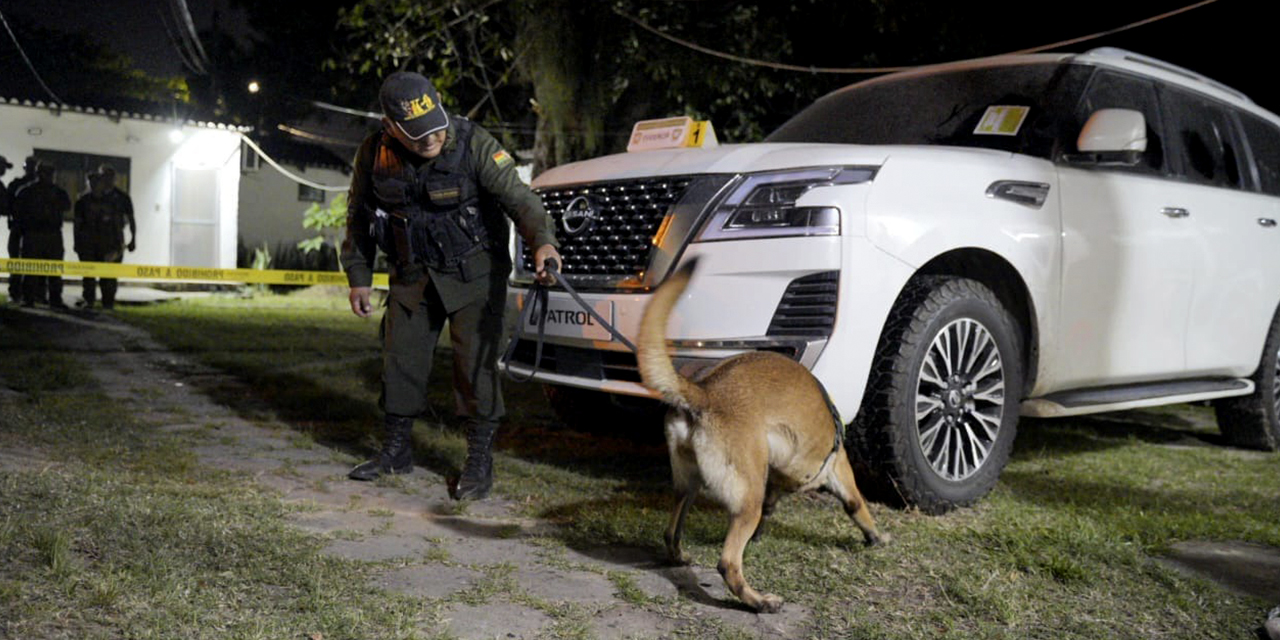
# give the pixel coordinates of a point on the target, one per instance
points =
(763, 205)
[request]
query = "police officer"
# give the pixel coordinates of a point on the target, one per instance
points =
(40, 206)
(430, 190)
(100, 219)
(15, 233)
(6, 206)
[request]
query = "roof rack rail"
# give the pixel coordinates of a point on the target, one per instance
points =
(1116, 52)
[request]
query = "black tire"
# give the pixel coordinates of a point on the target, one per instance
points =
(1253, 421)
(983, 389)
(605, 414)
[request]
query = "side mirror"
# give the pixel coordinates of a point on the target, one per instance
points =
(1110, 130)
(1112, 136)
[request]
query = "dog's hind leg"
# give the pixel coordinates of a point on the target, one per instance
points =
(675, 529)
(841, 483)
(741, 525)
(771, 496)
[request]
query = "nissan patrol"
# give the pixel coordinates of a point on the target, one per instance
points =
(949, 248)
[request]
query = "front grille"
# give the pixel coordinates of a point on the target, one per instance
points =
(628, 214)
(591, 364)
(808, 307)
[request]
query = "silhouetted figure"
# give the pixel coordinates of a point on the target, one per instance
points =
(6, 200)
(40, 206)
(100, 218)
(15, 234)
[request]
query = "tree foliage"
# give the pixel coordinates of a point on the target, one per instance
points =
(98, 70)
(328, 221)
(580, 73)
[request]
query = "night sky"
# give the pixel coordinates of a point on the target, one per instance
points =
(1231, 41)
(133, 27)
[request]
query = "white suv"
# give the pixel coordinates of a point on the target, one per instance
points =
(948, 248)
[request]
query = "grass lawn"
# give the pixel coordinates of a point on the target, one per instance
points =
(1063, 548)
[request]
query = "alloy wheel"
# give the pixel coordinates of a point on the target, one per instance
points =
(960, 396)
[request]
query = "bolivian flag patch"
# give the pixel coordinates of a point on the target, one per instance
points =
(502, 158)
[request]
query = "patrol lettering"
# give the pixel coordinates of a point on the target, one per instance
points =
(566, 316)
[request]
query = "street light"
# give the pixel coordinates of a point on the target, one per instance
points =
(254, 87)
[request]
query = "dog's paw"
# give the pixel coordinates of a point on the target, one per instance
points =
(878, 539)
(769, 603)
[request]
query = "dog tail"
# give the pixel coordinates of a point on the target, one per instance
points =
(656, 370)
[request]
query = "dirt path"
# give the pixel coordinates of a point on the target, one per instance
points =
(432, 552)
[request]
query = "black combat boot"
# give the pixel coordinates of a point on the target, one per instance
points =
(396, 455)
(477, 471)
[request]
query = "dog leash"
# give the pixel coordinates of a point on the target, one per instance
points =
(537, 298)
(536, 301)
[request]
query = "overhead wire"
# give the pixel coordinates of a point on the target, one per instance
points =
(183, 40)
(874, 70)
(316, 137)
(27, 60)
(288, 174)
(190, 24)
(691, 45)
(183, 56)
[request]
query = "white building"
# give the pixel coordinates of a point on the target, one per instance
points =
(272, 203)
(184, 178)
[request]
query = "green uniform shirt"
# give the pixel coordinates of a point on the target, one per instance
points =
(495, 175)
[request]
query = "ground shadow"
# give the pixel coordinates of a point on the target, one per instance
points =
(648, 559)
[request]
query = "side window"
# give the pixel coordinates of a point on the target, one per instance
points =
(1118, 91)
(1206, 139)
(1264, 143)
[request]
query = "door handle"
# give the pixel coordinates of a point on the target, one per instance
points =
(1267, 222)
(1175, 212)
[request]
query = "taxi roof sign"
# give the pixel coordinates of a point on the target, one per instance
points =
(671, 133)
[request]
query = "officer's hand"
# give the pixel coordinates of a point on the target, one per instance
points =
(540, 257)
(359, 298)
(133, 244)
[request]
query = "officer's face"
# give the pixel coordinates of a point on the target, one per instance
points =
(428, 147)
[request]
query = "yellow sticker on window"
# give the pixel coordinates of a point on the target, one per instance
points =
(1001, 120)
(502, 158)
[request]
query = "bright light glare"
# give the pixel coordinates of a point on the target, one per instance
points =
(254, 87)
(176, 136)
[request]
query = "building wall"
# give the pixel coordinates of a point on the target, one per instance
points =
(270, 211)
(155, 159)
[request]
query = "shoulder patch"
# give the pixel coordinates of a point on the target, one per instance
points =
(502, 158)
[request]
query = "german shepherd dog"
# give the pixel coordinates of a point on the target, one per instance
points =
(750, 429)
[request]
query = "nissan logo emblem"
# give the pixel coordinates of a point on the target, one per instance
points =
(579, 215)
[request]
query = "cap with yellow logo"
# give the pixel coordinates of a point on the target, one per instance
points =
(410, 101)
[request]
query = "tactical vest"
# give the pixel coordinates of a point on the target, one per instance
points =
(434, 210)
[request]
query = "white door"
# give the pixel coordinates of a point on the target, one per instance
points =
(1238, 254)
(194, 226)
(1126, 280)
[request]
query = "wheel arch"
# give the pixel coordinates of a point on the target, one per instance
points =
(998, 275)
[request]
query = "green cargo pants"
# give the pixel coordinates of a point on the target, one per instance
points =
(411, 327)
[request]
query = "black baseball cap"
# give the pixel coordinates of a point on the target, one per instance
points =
(412, 104)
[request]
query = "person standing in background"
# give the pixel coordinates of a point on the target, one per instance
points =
(99, 222)
(40, 206)
(15, 234)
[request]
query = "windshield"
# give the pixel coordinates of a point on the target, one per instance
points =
(1012, 107)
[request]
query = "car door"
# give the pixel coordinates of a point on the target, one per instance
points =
(1237, 246)
(1126, 282)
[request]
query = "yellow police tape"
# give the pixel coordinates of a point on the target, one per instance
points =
(24, 266)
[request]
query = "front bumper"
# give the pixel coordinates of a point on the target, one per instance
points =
(732, 306)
